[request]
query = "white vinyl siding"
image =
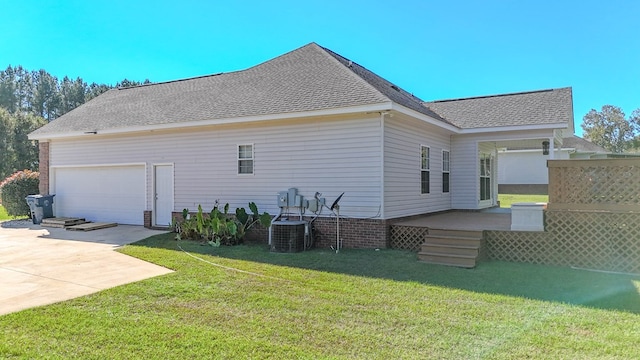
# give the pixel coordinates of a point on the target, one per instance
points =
(464, 184)
(314, 155)
(403, 138)
(518, 167)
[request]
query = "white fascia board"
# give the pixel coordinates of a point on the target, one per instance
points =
(552, 126)
(191, 124)
(531, 150)
(425, 118)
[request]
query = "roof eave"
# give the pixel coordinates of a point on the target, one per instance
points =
(224, 121)
(482, 130)
(428, 119)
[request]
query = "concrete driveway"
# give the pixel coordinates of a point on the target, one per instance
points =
(40, 266)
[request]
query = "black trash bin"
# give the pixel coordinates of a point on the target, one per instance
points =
(41, 207)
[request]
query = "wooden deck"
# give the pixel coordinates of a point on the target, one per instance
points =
(463, 220)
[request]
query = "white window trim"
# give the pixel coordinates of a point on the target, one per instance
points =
(486, 175)
(448, 171)
(427, 169)
(253, 159)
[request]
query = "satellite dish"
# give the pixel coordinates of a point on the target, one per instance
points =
(337, 212)
(335, 203)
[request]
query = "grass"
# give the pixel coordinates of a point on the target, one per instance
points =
(3, 214)
(245, 302)
(507, 199)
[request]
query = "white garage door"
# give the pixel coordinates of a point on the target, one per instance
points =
(101, 194)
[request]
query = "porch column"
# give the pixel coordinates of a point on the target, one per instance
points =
(552, 148)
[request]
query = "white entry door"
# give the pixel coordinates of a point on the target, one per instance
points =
(163, 195)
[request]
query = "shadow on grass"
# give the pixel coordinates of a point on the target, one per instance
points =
(558, 284)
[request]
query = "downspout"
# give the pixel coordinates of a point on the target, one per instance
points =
(382, 170)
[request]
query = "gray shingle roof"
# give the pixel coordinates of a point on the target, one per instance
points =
(305, 79)
(310, 78)
(582, 145)
(391, 91)
(525, 108)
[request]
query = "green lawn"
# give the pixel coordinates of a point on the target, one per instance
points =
(245, 302)
(507, 199)
(4, 216)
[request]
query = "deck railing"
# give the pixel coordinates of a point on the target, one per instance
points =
(592, 219)
(602, 185)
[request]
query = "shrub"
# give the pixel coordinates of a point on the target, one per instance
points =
(15, 188)
(219, 227)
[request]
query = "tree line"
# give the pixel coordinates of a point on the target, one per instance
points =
(30, 99)
(44, 95)
(612, 129)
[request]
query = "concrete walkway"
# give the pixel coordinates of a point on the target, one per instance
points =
(40, 266)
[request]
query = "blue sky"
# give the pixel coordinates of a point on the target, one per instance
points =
(435, 49)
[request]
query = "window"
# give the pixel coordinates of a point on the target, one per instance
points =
(445, 171)
(245, 159)
(485, 177)
(424, 169)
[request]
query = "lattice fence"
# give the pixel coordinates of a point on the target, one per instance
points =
(407, 237)
(611, 184)
(594, 240)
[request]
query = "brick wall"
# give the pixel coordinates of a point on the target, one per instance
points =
(147, 219)
(43, 168)
(354, 233)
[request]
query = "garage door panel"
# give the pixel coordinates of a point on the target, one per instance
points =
(105, 194)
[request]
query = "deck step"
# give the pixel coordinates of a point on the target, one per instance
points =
(456, 233)
(471, 251)
(91, 226)
(61, 222)
(452, 240)
(449, 260)
(451, 247)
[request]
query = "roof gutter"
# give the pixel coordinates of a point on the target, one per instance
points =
(551, 126)
(225, 121)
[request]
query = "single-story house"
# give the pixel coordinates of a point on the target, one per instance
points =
(523, 169)
(310, 119)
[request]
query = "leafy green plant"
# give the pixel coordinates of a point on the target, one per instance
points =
(246, 221)
(15, 188)
(219, 227)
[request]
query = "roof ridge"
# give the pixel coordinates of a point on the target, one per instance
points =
(332, 55)
(173, 81)
(215, 74)
(351, 63)
(498, 95)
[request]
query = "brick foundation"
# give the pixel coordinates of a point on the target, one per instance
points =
(147, 219)
(355, 233)
(43, 167)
